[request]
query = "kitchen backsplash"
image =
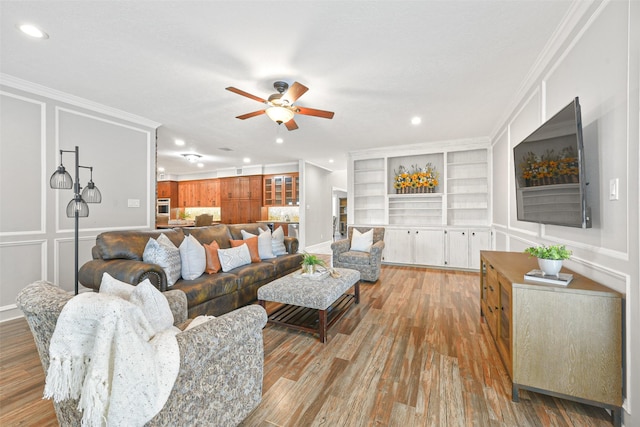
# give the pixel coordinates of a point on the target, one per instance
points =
(191, 213)
(282, 213)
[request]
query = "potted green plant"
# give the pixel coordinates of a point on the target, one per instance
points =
(310, 263)
(549, 257)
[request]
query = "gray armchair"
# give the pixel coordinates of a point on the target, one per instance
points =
(368, 264)
(221, 361)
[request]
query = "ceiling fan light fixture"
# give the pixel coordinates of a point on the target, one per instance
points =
(279, 114)
(192, 158)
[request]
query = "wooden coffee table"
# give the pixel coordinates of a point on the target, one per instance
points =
(302, 298)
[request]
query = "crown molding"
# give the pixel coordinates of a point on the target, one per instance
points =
(34, 88)
(565, 30)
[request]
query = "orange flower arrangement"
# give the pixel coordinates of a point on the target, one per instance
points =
(418, 180)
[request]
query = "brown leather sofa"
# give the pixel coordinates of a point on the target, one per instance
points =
(119, 253)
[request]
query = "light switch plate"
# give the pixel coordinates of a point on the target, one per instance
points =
(133, 203)
(613, 189)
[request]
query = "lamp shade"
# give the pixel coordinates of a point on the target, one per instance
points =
(279, 114)
(79, 205)
(91, 194)
(61, 179)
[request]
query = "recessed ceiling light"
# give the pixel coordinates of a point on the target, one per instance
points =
(180, 142)
(279, 140)
(416, 121)
(246, 160)
(200, 165)
(330, 160)
(161, 169)
(32, 31)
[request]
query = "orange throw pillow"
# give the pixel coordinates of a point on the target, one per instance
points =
(252, 243)
(213, 262)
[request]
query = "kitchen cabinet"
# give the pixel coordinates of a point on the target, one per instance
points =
(281, 190)
(209, 192)
(463, 246)
(241, 199)
(168, 190)
(186, 193)
(565, 341)
(199, 193)
(421, 246)
(237, 211)
(242, 187)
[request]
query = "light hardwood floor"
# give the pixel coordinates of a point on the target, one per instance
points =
(412, 353)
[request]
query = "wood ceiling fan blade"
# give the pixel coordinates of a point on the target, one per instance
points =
(248, 95)
(249, 115)
(295, 91)
(313, 112)
(291, 125)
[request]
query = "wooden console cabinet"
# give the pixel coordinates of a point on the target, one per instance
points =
(564, 341)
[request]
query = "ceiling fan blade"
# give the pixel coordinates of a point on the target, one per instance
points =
(249, 115)
(314, 112)
(248, 95)
(291, 125)
(295, 91)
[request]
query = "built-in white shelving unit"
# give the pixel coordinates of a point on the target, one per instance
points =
(369, 195)
(453, 216)
(415, 209)
(467, 188)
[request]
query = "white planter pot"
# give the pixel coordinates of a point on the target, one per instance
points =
(550, 267)
(308, 269)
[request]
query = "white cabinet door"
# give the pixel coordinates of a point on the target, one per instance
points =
(398, 246)
(429, 247)
(479, 240)
(457, 248)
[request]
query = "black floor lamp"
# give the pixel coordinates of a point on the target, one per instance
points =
(77, 207)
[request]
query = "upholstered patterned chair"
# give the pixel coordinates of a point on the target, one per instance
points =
(221, 361)
(367, 263)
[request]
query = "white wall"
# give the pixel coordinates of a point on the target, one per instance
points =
(315, 205)
(595, 57)
(36, 237)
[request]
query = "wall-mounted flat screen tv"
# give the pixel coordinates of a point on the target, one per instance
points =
(550, 174)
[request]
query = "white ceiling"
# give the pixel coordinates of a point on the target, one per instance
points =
(456, 64)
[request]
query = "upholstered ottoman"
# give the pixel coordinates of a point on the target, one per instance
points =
(302, 297)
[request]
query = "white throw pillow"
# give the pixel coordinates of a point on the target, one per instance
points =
(361, 242)
(192, 258)
(164, 240)
(112, 286)
(277, 242)
(265, 249)
(166, 255)
(234, 257)
(153, 304)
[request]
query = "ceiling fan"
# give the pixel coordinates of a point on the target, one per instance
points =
(280, 105)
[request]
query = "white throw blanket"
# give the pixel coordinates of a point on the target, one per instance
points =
(103, 352)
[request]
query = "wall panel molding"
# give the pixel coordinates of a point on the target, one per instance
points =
(43, 162)
(9, 310)
(149, 136)
(68, 264)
